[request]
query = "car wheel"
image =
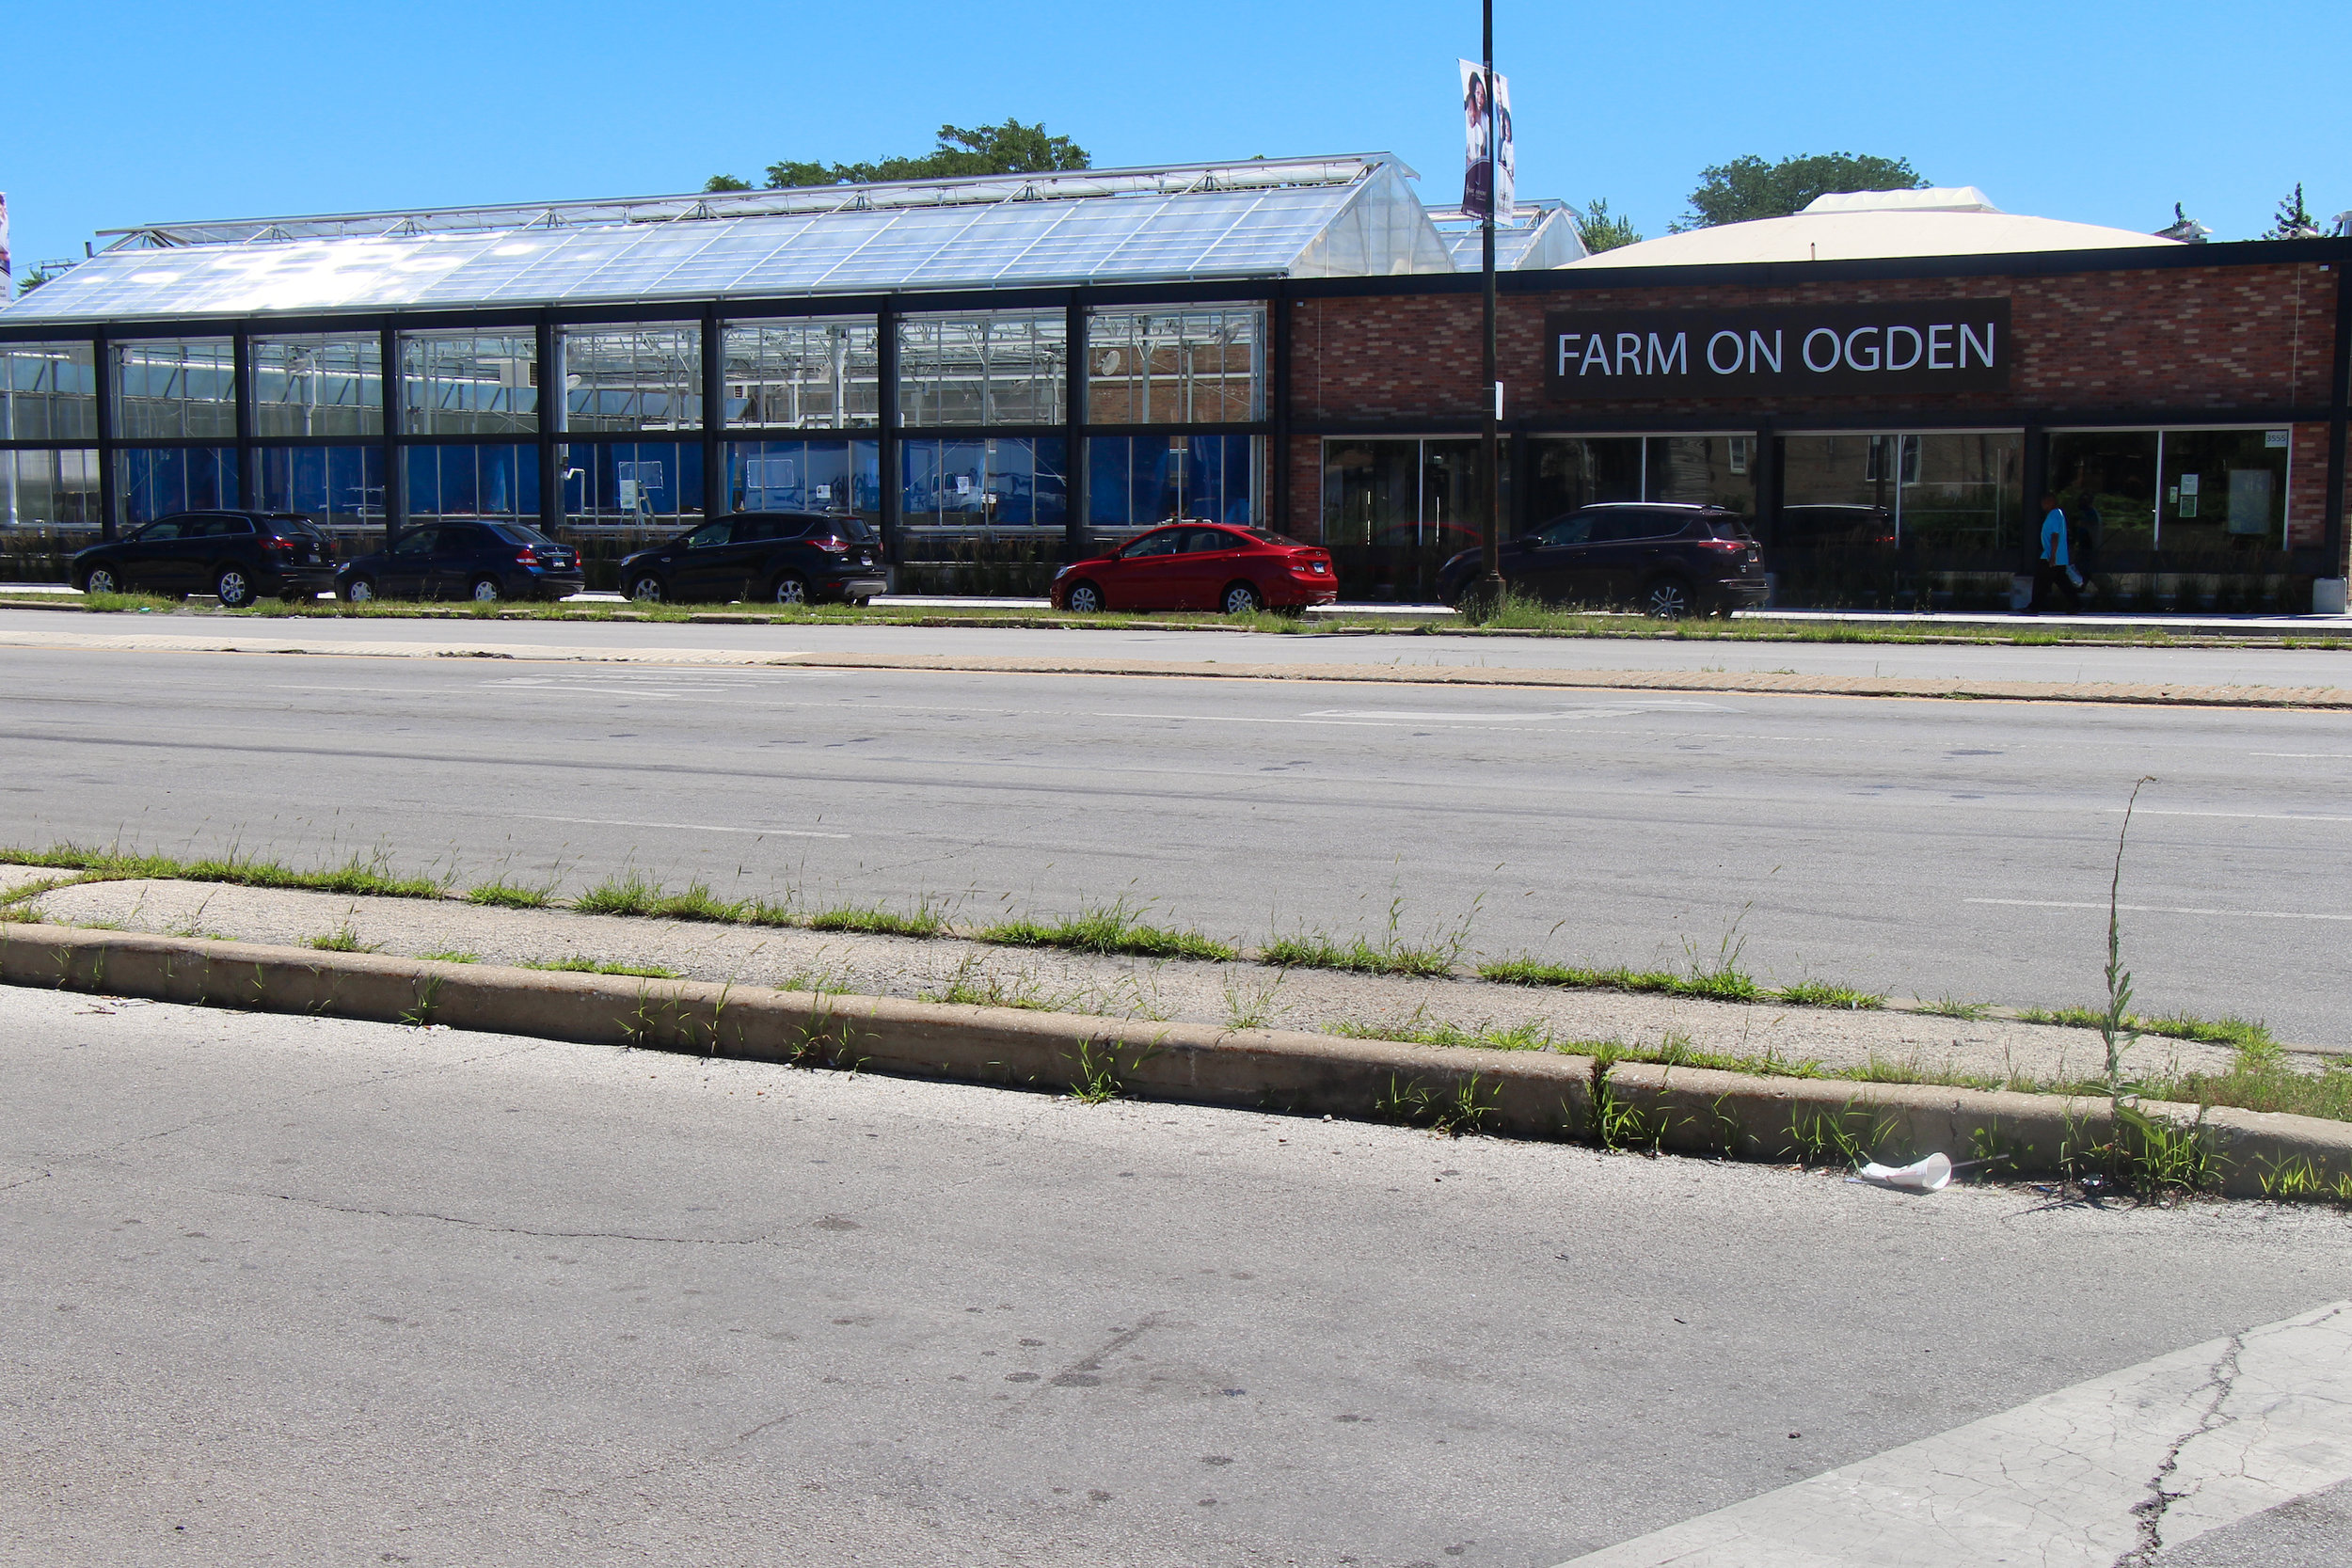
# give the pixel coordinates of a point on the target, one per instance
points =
(1666, 599)
(358, 591)
(485, 589)
(1240, 598)
(791, 588)
(234, 587)
(100, 580)
(864, 602)
(646, 590)
(1084, 598)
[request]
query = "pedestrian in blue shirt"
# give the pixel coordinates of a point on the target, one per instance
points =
(2054, 572)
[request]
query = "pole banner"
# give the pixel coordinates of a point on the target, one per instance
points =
(1474, 130)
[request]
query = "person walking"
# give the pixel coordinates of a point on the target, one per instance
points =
(2055, 572)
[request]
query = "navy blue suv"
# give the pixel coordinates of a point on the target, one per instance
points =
(239, 555)
(780, 557)
(465, 558)
(1661, 558)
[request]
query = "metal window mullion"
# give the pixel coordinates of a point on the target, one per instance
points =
(887, 414)
(103, 361)
(718, 494)
(1075, 464)
(391, 388)
(554, 409)
(241, 389)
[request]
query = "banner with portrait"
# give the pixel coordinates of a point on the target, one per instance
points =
(1476, 124)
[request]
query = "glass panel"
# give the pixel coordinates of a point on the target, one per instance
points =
(646, 484)
(1961, 493)
(2224, 493)
(1136, 481)
(815, 373)
(1394, 509)
(1004, 367)
(1581, 471)
(805, 476)
(1371, 491)
(166, 388)
(49, 489)
(469, 383)
(48, 392)
(333, 487)
(1004, 481)
(1452, 498)
(473, 482)
(2107, 481)
(156, 480)
(1197, 365)
(1839, 470)
(632, 378)
(1702, 471)
(318, 386)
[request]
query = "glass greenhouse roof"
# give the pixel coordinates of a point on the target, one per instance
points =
(1302, 219)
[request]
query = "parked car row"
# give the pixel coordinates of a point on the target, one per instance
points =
(241, 556)
(1662, 558)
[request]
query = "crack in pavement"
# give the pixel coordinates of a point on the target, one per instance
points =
(490, 1225)
(2149, 1511)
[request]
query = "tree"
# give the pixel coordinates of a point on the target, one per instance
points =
(1749, 188)
(1599, 232)
(42, 272)
(2293, 222)
(1011, 148)
(726, 182)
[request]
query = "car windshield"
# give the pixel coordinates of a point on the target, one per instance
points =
(1722, 528)
(295, 528)
(850, 527)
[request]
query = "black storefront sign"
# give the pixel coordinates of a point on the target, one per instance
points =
(1936, 345)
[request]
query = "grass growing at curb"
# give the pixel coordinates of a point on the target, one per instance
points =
(632, 894)
(368, 878)
(2225, 1030)
(503, 894)
(450, 956)
(593, 966)
(924, 920)
(344, 939)
(1356, 954)
(1108, 929)
(1722, 983)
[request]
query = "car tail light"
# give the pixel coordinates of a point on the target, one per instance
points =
(832, 544)
(527, 557)
(274, 543)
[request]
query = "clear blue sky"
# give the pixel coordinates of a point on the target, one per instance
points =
(136, 110)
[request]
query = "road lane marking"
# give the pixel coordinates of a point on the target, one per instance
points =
(2160, 909)
(2112, 1470)
(682, 826)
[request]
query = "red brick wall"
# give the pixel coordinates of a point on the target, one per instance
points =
(2174, 339)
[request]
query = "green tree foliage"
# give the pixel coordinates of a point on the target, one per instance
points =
(1011, 148)
(1599, 232)
(34, 279)
(726, 182)
(2293, 222)
(1749, 188)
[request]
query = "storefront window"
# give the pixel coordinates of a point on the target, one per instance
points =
(340, 486)
(1700, 470)
(821, 373)
(155, 482)
(2107, 481)
(470, 383)
(1580, 471)
(1394, 510)
(1961, 493)
(805, 476)
(1187, 365)
(49, 489)
(166, 389)
(318, 386)
(632, 378)
(473, 482)
(1133, 482)
(48, 392)
(1001, 481)
(2223, 492)
(639, 483)
(998, 367)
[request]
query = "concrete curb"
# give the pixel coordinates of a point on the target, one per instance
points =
(1515, 1093)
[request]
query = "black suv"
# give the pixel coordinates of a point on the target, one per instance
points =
(785, 556)
(240, 556)
(1663, 559)
(465, 558)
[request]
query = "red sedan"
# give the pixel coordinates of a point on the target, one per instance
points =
(1200, 566)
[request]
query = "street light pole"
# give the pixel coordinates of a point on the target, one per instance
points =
(1491, 588)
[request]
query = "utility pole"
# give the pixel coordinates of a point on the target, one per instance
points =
(1490, 532)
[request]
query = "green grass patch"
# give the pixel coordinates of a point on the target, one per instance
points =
(924, 920)
(2226, 1030)
(1952, 1007)
(1357, 955)
(632, 894)
(1110, 929)
(342, 939)
(597, 966)
(450, 956)
(364, 876)
(1722, 984)
(1821, 993)
(503, 894)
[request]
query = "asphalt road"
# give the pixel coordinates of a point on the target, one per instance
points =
(2310, 666)
(1936, 849)
(304, 1291)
